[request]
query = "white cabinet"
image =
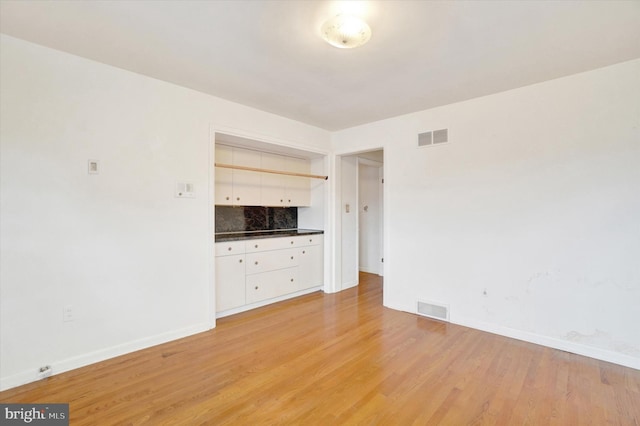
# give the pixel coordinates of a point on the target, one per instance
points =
(230, 275)
(310, 265)
(246, 184)
(253, 271)
(273, 185)
(298, 189)
(251, 188)
(230, 282)
(284, 190)
(224, 177)
(237, 187)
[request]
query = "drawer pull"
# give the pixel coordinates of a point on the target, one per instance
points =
(256, 287)
(256, 262)
(304, 252)
(291, 279)
(291, 257)
(229, 249)
(310, 240)
(282, 201)
(227, 198)
(238, 198)
(240, 260)
(291, 242)
(256, 246)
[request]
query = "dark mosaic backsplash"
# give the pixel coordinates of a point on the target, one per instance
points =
(250, 218)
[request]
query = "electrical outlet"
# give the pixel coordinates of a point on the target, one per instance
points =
(68, 314)
(44, 372)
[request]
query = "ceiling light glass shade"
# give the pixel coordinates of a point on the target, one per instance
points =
(346, 31)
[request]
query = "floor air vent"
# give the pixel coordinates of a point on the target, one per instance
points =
(433, 310)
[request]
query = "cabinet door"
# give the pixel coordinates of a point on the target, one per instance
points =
(298, 189)
(273, 185)
(311, 267)
(246, 184)
(230, 282)
(224, 180)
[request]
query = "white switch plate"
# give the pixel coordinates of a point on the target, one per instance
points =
(93, 167)
(185, 190)
(67, 313)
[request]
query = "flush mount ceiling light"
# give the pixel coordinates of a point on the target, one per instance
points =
(345, 31)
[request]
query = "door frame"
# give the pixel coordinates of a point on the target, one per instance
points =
(337, 215)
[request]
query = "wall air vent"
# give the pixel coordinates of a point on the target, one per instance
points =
(440, 136)
(425, 139)
(433, 310)
(433, 138)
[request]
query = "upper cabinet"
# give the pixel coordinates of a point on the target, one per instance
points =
(246, 184)
(298, 189)
(251, 188)
(283, 190)
(224, 177)
(237, 187)
(273, 185)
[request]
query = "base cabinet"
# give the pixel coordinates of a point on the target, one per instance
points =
(310, 266)
(253, 271)
(230, 282)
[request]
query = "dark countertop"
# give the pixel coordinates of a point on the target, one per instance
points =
(250, 235)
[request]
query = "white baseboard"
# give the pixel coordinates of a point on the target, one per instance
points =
(375, 271)
(255, 305)
(551, 342)
(538, 339)
(349, 285)
(68, 364)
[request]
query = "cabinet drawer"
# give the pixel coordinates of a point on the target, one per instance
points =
(271, 284)
(271, 260)
(308, 240)
(230, 248)
(271, 244)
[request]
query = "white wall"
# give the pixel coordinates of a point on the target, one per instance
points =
(131, 259)
(314, 217)
(536, 199)
(317, 216)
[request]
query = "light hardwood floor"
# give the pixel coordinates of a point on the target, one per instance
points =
(343, 359)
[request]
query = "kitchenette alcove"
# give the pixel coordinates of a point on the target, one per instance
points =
(270, 203)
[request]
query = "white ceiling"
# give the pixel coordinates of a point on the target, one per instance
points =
(269, 55)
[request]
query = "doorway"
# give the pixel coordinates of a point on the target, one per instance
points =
(370, 216)
(361, 216)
